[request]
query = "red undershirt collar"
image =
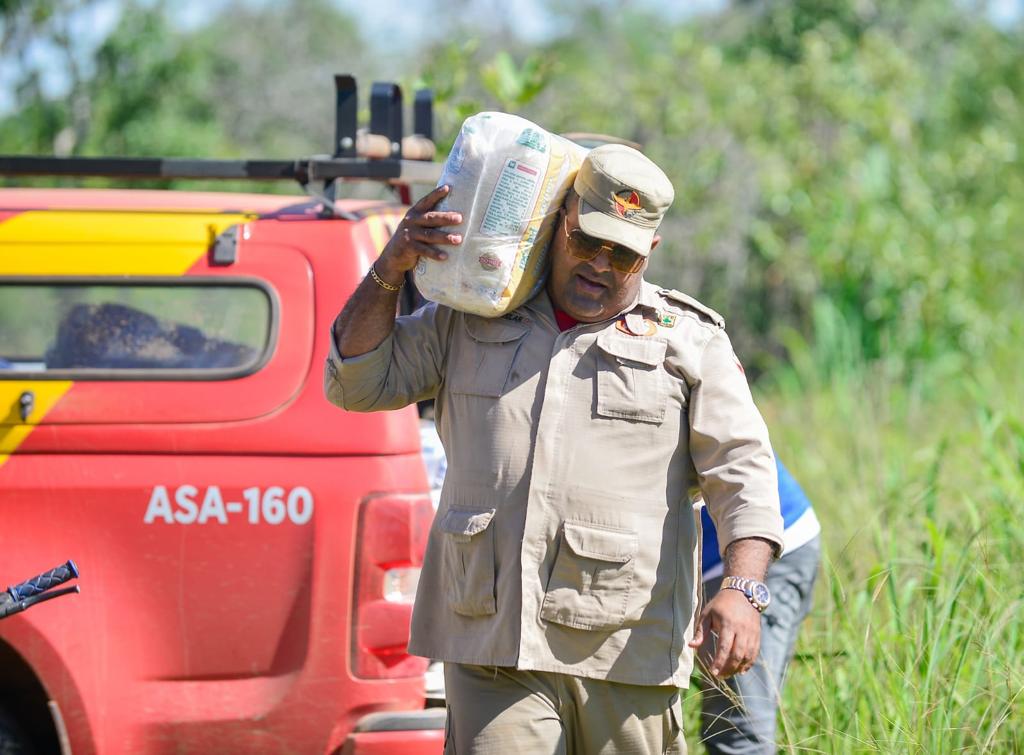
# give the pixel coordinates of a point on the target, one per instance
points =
(564, 320)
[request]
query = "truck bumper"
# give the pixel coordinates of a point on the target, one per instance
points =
(419, 732)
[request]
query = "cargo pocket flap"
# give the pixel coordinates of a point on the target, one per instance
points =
(495, 330)
(604, 545)
(633, 349)
(466, 522)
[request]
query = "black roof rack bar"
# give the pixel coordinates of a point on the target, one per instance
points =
(386, 113)
(423, 113)
(396, 171)
(145, 167)
(346, 114)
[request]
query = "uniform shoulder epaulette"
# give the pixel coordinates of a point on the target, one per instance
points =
(688, 302)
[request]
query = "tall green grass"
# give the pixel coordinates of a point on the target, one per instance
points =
(915, 644)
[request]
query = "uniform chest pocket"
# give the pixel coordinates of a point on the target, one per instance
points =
(469, 560)
(631, 381)
(483, 361)
(592, 577)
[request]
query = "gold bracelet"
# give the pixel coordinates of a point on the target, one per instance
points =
(381, 282)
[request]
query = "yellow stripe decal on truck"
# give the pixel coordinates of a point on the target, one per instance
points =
(108, 243)
(116, 242)
(45, 394)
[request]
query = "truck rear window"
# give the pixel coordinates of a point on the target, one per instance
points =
(141, 329)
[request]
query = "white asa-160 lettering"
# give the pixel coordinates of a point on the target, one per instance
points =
(188, 504)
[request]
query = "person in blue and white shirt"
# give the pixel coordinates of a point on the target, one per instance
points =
(728, 728)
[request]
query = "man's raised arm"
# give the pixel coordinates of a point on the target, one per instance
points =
(369, 315)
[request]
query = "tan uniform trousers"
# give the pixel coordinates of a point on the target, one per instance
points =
(495, 710)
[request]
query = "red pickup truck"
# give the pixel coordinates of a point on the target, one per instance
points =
(248, 553)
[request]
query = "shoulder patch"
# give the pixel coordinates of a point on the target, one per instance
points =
(688, 302)
(666, 319)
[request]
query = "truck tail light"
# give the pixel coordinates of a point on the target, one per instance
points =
(390, 542)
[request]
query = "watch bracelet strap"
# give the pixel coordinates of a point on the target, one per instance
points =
(737, 583)
(743, 585)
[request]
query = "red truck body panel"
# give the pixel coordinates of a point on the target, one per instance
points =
(215, 521)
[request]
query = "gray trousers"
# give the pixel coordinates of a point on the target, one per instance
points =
(728, 728)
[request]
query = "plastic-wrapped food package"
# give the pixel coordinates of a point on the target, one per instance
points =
(508, 178)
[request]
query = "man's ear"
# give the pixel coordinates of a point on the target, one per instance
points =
(655, 241)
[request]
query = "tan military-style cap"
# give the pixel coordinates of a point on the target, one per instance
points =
(623, 196)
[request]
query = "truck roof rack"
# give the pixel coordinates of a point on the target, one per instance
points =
(396, 171)
(380, 153)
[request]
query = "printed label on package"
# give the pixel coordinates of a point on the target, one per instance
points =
(512, 199)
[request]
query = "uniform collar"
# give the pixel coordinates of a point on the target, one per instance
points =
(542, 307)
(648, 299)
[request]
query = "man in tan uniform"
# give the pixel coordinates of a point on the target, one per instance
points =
(561, 575)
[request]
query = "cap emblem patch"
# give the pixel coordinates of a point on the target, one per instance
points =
(627, 203)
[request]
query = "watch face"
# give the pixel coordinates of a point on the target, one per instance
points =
(761, 594)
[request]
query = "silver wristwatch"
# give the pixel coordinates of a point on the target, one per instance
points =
(757, 592)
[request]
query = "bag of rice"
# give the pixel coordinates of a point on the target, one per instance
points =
(508, 178)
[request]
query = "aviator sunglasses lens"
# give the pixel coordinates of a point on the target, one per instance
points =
(587, 247)
(626, 260)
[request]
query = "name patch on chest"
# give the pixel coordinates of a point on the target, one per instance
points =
(639, 328)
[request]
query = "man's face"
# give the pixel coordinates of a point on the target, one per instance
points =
(587, 290)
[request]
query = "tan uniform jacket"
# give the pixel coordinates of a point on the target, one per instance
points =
(565, 539)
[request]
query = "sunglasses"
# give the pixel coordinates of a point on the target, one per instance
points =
(584, 247)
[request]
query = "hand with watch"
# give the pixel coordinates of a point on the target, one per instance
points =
(733, 630)
(756, 592)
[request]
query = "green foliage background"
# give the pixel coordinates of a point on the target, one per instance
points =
(849, 195)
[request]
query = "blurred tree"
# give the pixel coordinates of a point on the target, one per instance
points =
(272, 83)
(848, 172)
(465, 82)
(256, 80)
(779, 27)
(830, 161)
(152, 93)
(515, 86)
(26, 25)
(218, 91)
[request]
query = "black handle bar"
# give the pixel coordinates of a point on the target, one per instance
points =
(21, 596)
(44, 582)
